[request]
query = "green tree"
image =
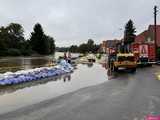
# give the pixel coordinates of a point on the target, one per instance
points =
(90, 45)
(15, 33)
(96, 48)
(52, 46)
(11, 39)
(41, 43)
(5, 40)
(2, 40)
(62, 49)
(26, 49)
(83, 48)
(90, 42)
(73, 48)
(129, 34)
(37, 39)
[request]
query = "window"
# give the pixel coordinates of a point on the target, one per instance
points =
(149, 39)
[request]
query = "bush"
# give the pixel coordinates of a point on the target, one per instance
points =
(26, 52)
(13, 52)
(3, 53)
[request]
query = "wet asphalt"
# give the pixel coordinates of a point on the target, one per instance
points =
(126, 96)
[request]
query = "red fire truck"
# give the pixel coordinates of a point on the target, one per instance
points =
(144, 52)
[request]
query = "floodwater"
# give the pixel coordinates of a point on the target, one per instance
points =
(17, 96)
(20, 63)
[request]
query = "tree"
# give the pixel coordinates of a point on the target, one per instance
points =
(41, 43)
(11, 39)
(96, 48)
(90, 45)
(62, 49)
(90, 42)
(3, 34)
(49, 44)
(73, 48)
(15, 29)
(129, 36)
(83, 48)
(37, 39)
(52, 44)
(26, 49)
(15, 33)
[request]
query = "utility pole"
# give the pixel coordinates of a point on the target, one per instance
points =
(155, 30)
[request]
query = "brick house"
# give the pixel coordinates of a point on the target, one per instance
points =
(148, 35)
(108, 45)
(147, 38)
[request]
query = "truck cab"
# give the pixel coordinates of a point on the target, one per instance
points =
(125, 60)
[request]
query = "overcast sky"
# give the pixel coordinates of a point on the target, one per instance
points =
(75, 21)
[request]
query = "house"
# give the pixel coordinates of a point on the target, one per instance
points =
(148, 36)
(108, 45)
(146, 40)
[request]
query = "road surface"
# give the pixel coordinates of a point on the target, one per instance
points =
(126, 96)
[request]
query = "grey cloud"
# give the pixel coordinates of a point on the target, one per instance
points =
(74, 21)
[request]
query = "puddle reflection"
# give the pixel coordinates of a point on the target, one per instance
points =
(112, 74)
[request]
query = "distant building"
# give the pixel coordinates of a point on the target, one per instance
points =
(146, 36)
(108, 45)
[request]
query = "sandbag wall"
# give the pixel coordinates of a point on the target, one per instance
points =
(22, 76)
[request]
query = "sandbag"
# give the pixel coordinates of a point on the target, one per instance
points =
(22, 76)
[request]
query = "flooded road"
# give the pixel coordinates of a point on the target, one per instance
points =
(126, 97)
(14, 97)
